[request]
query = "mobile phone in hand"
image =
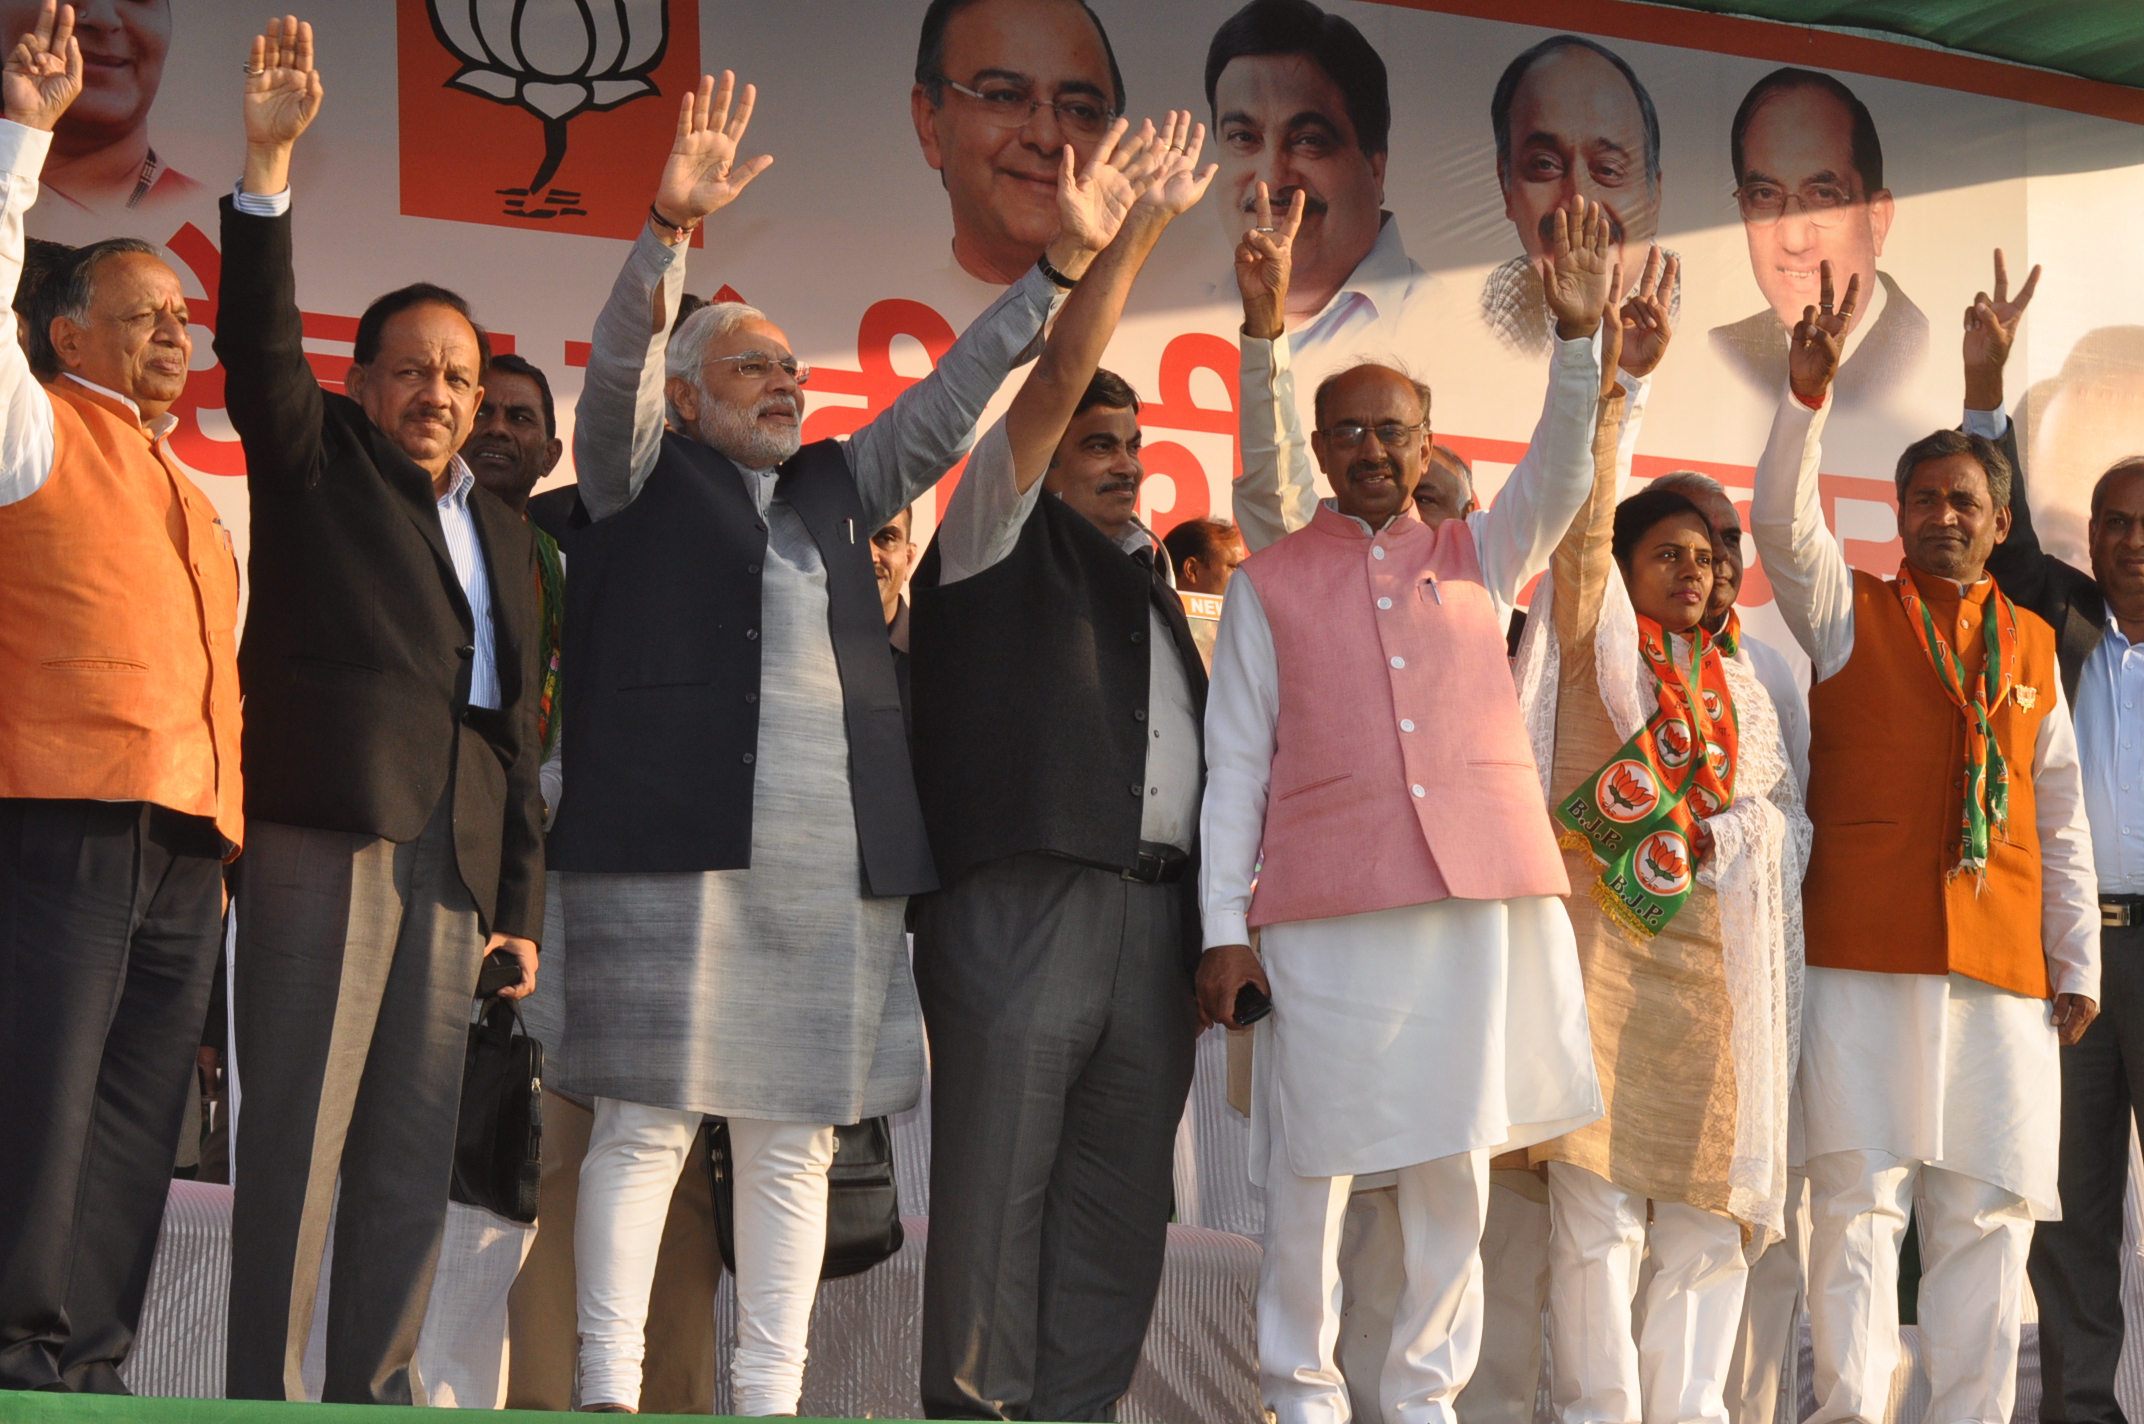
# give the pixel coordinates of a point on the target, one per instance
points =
(1252, 1004)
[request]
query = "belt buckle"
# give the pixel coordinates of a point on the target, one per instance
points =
(1146, 868)
(2115, 917)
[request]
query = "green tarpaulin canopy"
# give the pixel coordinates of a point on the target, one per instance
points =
(2095, 39)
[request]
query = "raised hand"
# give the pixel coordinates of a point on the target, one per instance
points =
(703, 175)
(1814, 348)
(1177, 183)
(1093, 200)
(1647, 327)
(1264, 260)
(1574, 277)
(44, 72)
(282, 88)
(1990, 327)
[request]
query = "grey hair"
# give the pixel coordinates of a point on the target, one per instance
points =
(1691, 482)
(68, 291)
(686, 354)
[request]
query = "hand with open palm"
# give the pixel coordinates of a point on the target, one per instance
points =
(283, 93)
(1093, 198)
(703, 175)
(1575, 273)
(44, 72)
(1178, 185)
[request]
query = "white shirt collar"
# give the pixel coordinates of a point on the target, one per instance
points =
(1381, 278)
(158, 428)
(464, 480)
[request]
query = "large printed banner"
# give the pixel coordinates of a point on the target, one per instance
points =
(508, 150)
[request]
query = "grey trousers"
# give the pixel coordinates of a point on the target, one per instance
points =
(1059, 1003)
(2076, 1263)
(357, 959)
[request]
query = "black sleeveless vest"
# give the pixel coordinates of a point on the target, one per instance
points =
(661, 656)
(1029, 683)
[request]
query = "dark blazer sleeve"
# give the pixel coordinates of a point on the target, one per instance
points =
(2021, 567)
(269, 388)
(510, 553)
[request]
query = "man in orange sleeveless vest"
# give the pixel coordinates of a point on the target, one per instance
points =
(1950, 895)
(119, 789)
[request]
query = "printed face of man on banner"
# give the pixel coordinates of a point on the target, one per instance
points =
(1577, 123)
(1809, 183)
(1803, 156)
(1300, 104)
(101, 158)
(1002, 86)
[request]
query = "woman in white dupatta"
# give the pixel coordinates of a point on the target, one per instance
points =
(1685, 839)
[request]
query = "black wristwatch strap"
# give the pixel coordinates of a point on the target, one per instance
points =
(1068, 283)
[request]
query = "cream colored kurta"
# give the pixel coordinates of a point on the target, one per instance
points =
(1693, 1030)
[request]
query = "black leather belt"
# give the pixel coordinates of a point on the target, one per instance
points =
(2121, 912)
(1157, 865)
(1153, 864)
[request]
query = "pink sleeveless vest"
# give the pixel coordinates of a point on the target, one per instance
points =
(1401, 770)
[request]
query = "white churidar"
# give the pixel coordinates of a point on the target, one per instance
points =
(1974, 1239)
(635, 1153)
(1672, 1369)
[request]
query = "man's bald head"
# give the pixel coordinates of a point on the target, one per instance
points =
(1372, 439)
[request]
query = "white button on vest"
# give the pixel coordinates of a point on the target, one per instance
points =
(1419, 791)
(1377, 551)
(1384, 603)
(1399, 662)
(1406, 724)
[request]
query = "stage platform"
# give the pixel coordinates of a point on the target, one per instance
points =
(21, 1408)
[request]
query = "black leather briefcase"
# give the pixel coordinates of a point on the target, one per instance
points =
(863, 1206)
(498, 1143)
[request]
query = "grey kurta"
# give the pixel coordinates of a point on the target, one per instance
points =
(782, 991)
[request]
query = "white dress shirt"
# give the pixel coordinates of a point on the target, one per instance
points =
(982, 525)
(2110, 744)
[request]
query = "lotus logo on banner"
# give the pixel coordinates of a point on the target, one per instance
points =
(555, 58)
(528, 93)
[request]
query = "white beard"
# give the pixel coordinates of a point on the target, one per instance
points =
(735, 432)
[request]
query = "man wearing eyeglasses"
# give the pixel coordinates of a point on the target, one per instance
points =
(1003, 87)
(1809, 182)
(739, 829)
(1373, 804)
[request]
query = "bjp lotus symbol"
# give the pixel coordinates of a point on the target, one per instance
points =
(554, 58)
(1625, 791)
(1663, 863)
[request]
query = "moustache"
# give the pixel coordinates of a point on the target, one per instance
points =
(1370, 467)
(1615, 227)
(1117, 486)
(777, 405)
(1313, 205)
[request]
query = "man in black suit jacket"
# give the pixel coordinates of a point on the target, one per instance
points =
(389, 666)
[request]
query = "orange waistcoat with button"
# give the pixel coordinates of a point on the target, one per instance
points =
(118, 626)
(1402, 773)
(1886, 794)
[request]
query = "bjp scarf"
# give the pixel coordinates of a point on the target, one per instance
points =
(551, 594)
(1636, 814)
(1987, 773)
